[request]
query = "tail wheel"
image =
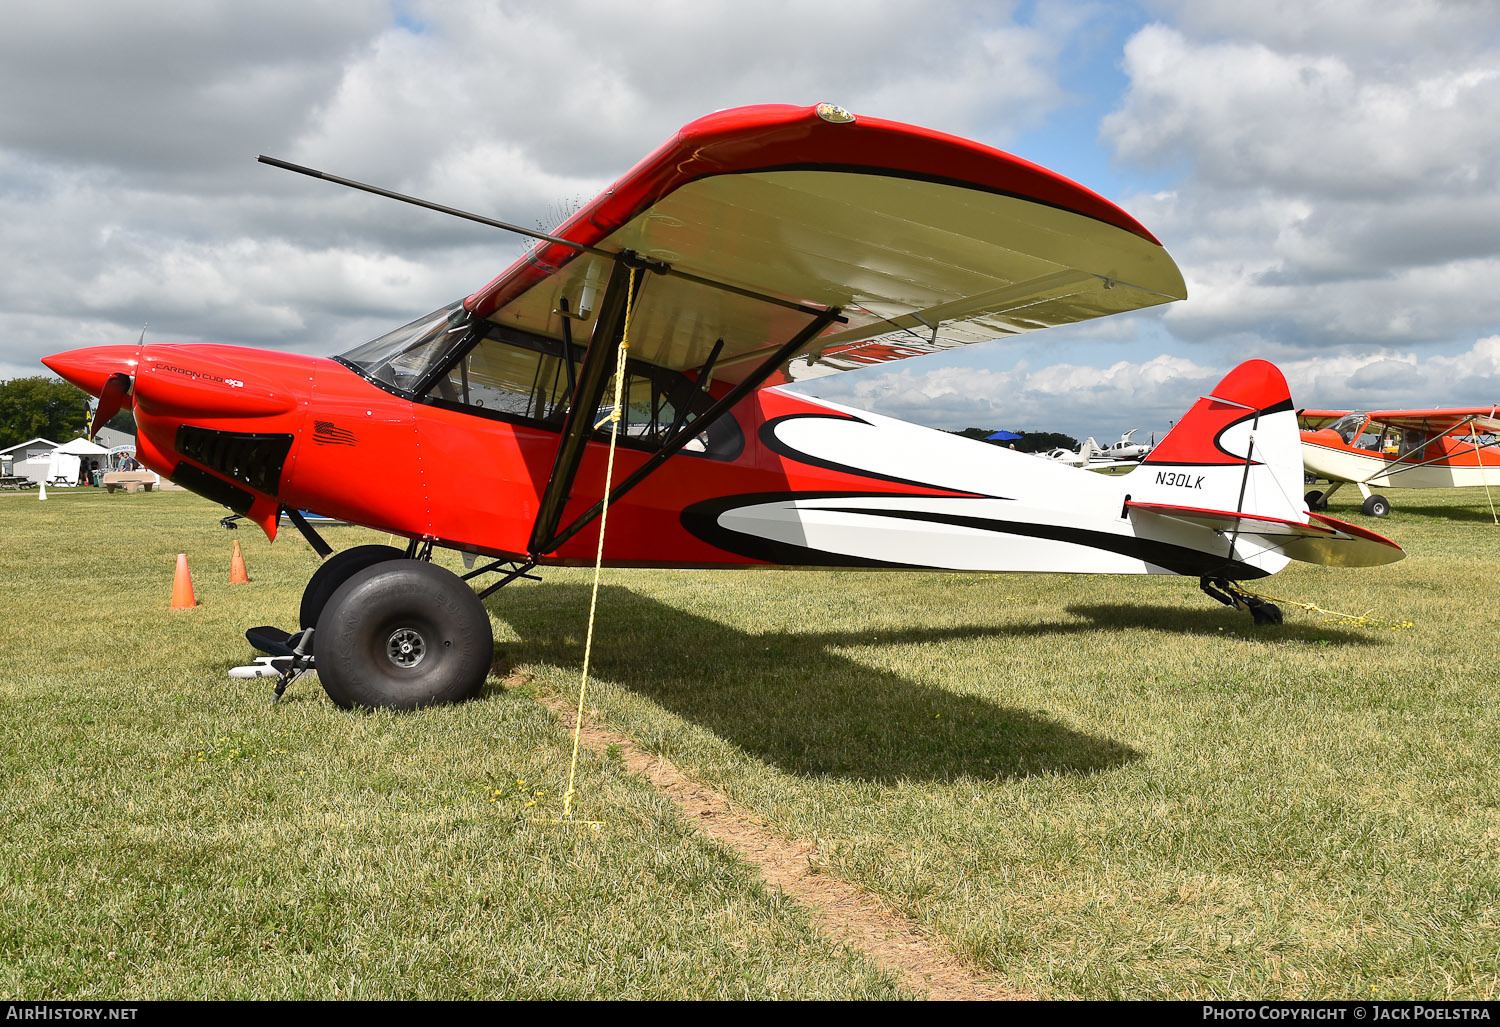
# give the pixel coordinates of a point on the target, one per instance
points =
(403, 635)
(336, 570)
(1376, 506)
(1266, 613)
(1315, 500)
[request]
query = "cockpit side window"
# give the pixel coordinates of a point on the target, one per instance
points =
(511, 375)
(507, 379)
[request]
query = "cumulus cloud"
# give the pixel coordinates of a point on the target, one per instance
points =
(129, 193)
(1305, 123)
(164, 91)
(1071, 398)
(1080, 400)
(1385, 379)
(1338, 169)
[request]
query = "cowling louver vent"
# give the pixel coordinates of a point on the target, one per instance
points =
(255, 460)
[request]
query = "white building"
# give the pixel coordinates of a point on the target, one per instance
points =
(34, 458)
(29, 459)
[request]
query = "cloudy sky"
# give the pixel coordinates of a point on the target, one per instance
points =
(1326, 174)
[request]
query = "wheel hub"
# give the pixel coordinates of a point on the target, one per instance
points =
(406, 647)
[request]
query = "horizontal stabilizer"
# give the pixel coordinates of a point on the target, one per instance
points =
(1320, 540)
(1228, 520)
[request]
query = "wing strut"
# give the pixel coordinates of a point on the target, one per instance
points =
(657, 266)
(1475, 448)
(593, 376)
(705, 377)
(688, 432)
(1428, 441)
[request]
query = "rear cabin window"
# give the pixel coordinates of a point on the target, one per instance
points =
(1413, 442)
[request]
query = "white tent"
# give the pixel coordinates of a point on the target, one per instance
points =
(67, 458)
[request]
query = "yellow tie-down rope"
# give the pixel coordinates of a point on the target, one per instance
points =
(613, 420)
(1357, 618)
(1485, 478)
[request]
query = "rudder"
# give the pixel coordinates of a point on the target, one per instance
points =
(1246, 421)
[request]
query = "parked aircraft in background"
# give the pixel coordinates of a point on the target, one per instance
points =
(1398, 449)
(758, 246)
(1124, 450)
(1073, 458)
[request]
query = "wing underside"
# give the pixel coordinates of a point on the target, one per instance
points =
(923, 242)
(1477, 420)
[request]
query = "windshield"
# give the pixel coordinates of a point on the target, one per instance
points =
(402, 358)
(1349, 425)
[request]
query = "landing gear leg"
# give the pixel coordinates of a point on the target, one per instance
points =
(1224, 591)
(1319, 500)
(288, 657)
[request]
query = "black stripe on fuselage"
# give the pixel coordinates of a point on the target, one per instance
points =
(702, 520)
(781, 447)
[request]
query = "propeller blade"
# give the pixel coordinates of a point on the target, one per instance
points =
(111, 398)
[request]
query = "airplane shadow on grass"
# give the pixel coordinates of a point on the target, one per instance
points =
(793, 700)
(1212, 620)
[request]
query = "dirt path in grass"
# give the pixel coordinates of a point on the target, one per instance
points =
(839, 909)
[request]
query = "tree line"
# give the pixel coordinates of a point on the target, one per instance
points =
(1029, 442)
(48, 408)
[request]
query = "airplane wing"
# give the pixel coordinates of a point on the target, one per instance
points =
(1312, 420)
(1479, 420)
(921, 241)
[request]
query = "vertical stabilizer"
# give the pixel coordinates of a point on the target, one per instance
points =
(1236, 450)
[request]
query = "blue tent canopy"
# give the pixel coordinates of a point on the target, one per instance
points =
(1002, 436)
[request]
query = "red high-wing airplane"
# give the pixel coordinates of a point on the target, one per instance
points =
(759, 246)
(1399, 449)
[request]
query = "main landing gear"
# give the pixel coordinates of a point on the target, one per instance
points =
(1230, 594)
(1373, 506)
(385, 628)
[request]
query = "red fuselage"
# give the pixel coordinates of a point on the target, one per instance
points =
(258, 429)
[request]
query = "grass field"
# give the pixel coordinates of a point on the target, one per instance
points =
(1084, 786)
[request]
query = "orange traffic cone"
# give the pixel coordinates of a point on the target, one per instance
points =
(182, 586)
(237, 575)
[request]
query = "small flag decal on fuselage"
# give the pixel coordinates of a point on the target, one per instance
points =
(325, 433)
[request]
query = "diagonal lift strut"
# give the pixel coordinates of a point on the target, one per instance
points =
(593, 378)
